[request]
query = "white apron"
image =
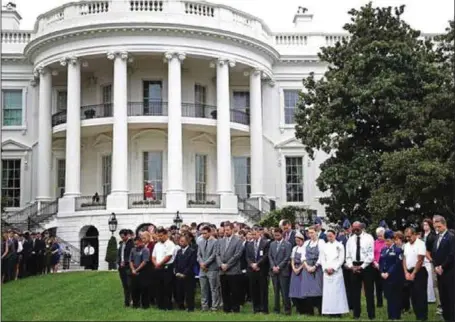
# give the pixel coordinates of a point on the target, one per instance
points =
(430, 289)
(334, 300)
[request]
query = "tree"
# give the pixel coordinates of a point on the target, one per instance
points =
(384, 95)
(291, 213)
(111, 253)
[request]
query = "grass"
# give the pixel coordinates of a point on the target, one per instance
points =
(86, 296)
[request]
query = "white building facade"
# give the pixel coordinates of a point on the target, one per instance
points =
(194, 99)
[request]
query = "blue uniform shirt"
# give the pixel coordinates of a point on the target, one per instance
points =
(391, 262)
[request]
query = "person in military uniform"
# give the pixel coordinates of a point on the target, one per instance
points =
(391, 270)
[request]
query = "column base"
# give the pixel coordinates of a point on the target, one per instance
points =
(44, 199)
(228, 201)
(67, 205)
(117, 201)
(175, 200)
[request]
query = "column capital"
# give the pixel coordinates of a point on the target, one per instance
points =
(40, 70)
(224, 61)
(71, 60)
(110, 55)
(171, 54)
(33, 83)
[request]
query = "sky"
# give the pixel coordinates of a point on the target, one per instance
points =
(329, 15)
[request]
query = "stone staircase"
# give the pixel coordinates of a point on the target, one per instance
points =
(254, 209)
(36, 217)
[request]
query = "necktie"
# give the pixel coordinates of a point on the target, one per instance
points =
(206, 245)
(439, 241)
(227, 243)
(256, 246)
(357, 252)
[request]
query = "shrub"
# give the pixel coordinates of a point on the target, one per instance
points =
(111, 252)
(291, 213)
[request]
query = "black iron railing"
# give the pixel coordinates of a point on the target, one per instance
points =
(199, 110)
(138, 200)
(238, 116)
(87, 112)
(147, 108)
(59, 118)
(90, 203)
(202, 200)
(96, 111)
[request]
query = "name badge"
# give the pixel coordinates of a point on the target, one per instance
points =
(392, 254)
(261, 253)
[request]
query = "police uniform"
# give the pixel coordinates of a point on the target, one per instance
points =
(391, 262)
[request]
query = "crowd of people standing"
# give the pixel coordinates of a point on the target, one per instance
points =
(28, 254)
(315, 271)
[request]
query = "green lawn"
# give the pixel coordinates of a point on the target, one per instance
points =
(98, 296)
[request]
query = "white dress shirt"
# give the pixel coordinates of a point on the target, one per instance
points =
(412, 251)
(366, 250)
(332, 255)
(161, 250)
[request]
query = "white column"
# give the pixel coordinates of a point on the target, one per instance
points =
(223, 135)
(256, 142)
(44, 134)
(118, 199)
(73, 128)
(175, 195)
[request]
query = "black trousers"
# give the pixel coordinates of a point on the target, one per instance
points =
(406, 297)
(378, 287)
(40, 261)
(419, 295)
(164, 287)
(281, 286)
(393, 293)
(446, 285)
(140, 290)
(126, 284)
(259, 290)
(231, 292)
(310, 303)
(153, 286)
(185, 292)
(347, 284)
(364, 277)
(31, 264)
(299, 305)
(244, 288)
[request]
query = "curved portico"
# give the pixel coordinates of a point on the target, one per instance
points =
(177, 115)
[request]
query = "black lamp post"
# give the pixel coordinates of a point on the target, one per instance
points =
(112, 223)
(178, 220)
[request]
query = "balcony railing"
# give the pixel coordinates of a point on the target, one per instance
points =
(147, 108)
(138, 200)
(90, 203)
(239, 116)
(201, 200)
(199, 110)
(87, 112)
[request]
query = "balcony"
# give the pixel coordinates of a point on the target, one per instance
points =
(154, 108)
(87, 112)
(90, 203)
(147, 108)
(138, 200)
(202, 200)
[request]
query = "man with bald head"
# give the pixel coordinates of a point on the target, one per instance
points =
(359, 259)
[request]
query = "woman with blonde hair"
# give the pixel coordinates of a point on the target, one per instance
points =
(149, 243)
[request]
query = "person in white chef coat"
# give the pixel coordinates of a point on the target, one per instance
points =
(334, 299)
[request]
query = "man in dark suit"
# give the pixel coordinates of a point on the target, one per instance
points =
(40, 247)
(279, 259)
(185, 282)
(32, 257)
(244, 281)
(443, 256)
(257, 257)
(288, 233)
(123, 262)
(228, 259)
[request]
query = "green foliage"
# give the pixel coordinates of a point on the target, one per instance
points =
(384, 112)
(111, 252)
(291, 213)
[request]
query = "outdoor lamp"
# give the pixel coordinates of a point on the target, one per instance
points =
(178, 220)
(112, 223)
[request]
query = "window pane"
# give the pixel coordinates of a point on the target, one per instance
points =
(242, 176)
(153, 171)
(291, 100)
(294, 179)
(11, 188)
(201, 176)
(12, 107)
(106, 174)
(62, 100)
(107, 94)
(61, 168)
(241, 100)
